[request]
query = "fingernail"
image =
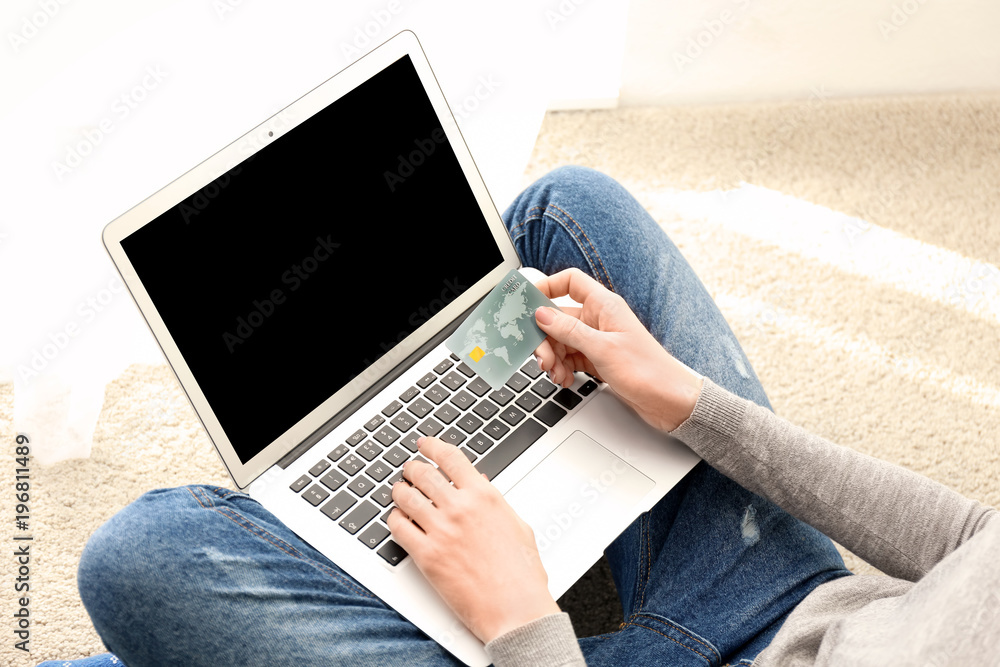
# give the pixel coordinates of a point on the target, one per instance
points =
(544, 315)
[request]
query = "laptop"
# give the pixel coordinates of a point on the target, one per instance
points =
(301, 283)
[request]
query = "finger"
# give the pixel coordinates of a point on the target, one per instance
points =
(565, 329)
(453, 462)
(416, 505)
(427, 480)
(572, 282)
(406, 533)
(545, 354)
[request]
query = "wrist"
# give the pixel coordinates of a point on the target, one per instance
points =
(682, 390)
(501, 624)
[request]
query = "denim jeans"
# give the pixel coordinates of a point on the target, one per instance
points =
(206, 576)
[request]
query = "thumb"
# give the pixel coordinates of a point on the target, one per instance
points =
(566, 329)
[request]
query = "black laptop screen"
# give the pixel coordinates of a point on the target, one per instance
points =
(294, 271)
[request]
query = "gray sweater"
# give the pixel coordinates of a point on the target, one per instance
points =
(939, 604)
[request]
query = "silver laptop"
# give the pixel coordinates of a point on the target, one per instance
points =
(301, 283)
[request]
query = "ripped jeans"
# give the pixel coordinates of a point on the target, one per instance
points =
(204, 576)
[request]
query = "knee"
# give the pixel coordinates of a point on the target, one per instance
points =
(567, 183)
(127, 557)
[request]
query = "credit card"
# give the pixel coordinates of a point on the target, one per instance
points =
(500, 334)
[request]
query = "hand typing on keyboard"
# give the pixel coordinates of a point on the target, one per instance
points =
(469, 543)
(606, 339)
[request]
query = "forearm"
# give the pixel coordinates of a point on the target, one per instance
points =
(897, 520)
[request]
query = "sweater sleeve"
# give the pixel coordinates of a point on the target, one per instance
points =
(548, 641)
(898, 521)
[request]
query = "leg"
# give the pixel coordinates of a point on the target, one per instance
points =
(710, 573)
(205, 576)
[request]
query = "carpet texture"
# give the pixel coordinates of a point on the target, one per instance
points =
(852, 245)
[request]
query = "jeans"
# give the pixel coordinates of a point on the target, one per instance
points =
(206, 576)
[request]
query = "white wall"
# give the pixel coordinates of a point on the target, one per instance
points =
(706, 51)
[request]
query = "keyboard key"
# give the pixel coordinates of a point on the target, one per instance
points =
(409, 394)
(420, 408)
(587, 388)
(567, 398)
(356, 438)
(480, 443)
(397, 456)
(453, 356)
(379, 470)
(386, 435)
(510, 448)
(319, 468)
(469, 455)
(478, 386)
(465, 370)
(426, 380)
(528, 401)
(502, 396)
(361, 515)
(511, 415)
(486, 409)
(543, 388)
(300, 483)
(453, 380)
(436, 394)
(518, 382)
(470, 423)
(392, 408)
(532, 369)
(463, 400)
(369, 450)
(447, 413)
(410, 440)
(316, 494)
(397, 477)
(496, 429)
(430, 427)
(351, 464)
(443, 366)
(385, 515)
(374, 422)
(383, 495)
(373, 535)
(549, 414)
(392, 553)
(342, 502)
(361, 486)
(453, 436)
(403, 421)
(333, 480)
(338, 451)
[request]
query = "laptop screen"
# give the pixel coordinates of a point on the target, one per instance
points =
(291, 273)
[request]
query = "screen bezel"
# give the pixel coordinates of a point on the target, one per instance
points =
(272, 129)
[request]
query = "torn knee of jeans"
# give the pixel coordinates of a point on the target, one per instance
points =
(737, 357)
(749, 527)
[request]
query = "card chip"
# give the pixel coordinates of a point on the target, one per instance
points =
(477, 353)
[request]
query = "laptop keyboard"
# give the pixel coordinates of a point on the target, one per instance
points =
(352, 485)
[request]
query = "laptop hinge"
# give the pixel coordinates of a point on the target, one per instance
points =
(370, 393)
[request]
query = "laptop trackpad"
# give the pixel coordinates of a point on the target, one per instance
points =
(577, 500)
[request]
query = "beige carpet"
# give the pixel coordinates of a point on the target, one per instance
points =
(883, 337)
